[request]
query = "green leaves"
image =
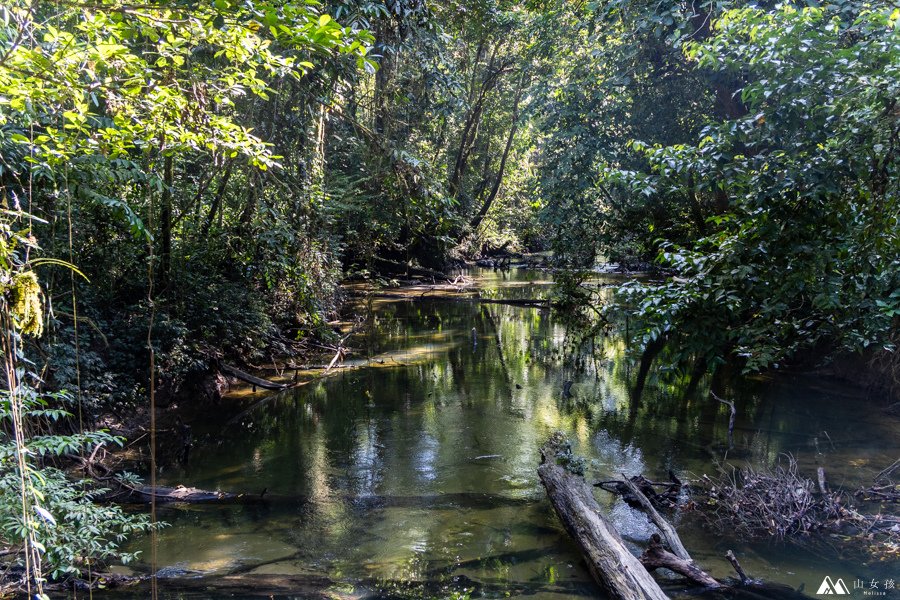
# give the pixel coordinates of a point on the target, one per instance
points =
(807, 254)
(94, 101)
(106, 85)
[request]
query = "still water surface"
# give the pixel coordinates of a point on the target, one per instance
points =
(414, 476)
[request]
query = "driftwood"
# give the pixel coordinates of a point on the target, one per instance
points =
(731, 417)
(181, 494)
(782, 503)
(610, 562)
(883, 489)
(745, 580)
(247, 378)
(656, 557)
(665, 499)
(664, 527)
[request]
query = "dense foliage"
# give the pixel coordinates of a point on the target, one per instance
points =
(805, 253)
(184, 183)
(756, 150)
(126, 132)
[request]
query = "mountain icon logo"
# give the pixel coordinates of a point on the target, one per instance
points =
(830, 587)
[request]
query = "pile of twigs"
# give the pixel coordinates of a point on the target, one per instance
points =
(782, 503)
(757, 504)
(884, 490)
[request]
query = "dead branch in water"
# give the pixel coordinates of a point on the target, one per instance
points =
(731, 417)
(664, 500)
(756, 504)
(737, 567)
(664, 527)
(656, 557)
(886, 473)
(781, 503)
(251, 379)
(610, 562)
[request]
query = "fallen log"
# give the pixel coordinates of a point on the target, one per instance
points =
(182, 494)
(664, 527)
(656, 557)
(247, 378)
(610, 562)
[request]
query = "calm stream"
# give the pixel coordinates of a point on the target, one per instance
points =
(415, 475)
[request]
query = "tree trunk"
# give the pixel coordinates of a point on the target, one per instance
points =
(217, 201)
(381, 118)
(478, 218)
(165, 222)
(610, 562)
(656, 557)
(473, 120)
(667, 530)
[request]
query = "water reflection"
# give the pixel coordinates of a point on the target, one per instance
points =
(421, 467)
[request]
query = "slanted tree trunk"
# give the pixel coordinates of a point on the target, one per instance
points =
(486, 206)
(472, 122)
(655, 557)
(610, 562)
(385, 37)
(667, 530)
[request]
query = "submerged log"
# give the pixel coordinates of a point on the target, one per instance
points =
(665, 499)
(182, 494)
(247, 378)
(610, 562)
(655, 556)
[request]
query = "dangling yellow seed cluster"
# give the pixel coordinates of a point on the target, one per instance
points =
(26, 303)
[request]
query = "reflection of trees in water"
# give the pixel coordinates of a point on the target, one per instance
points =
(466, 417)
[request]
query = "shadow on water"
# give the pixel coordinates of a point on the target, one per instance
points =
(421, 469)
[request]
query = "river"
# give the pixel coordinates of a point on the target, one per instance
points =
(413, 475)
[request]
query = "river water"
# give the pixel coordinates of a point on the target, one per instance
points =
(414, 475)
